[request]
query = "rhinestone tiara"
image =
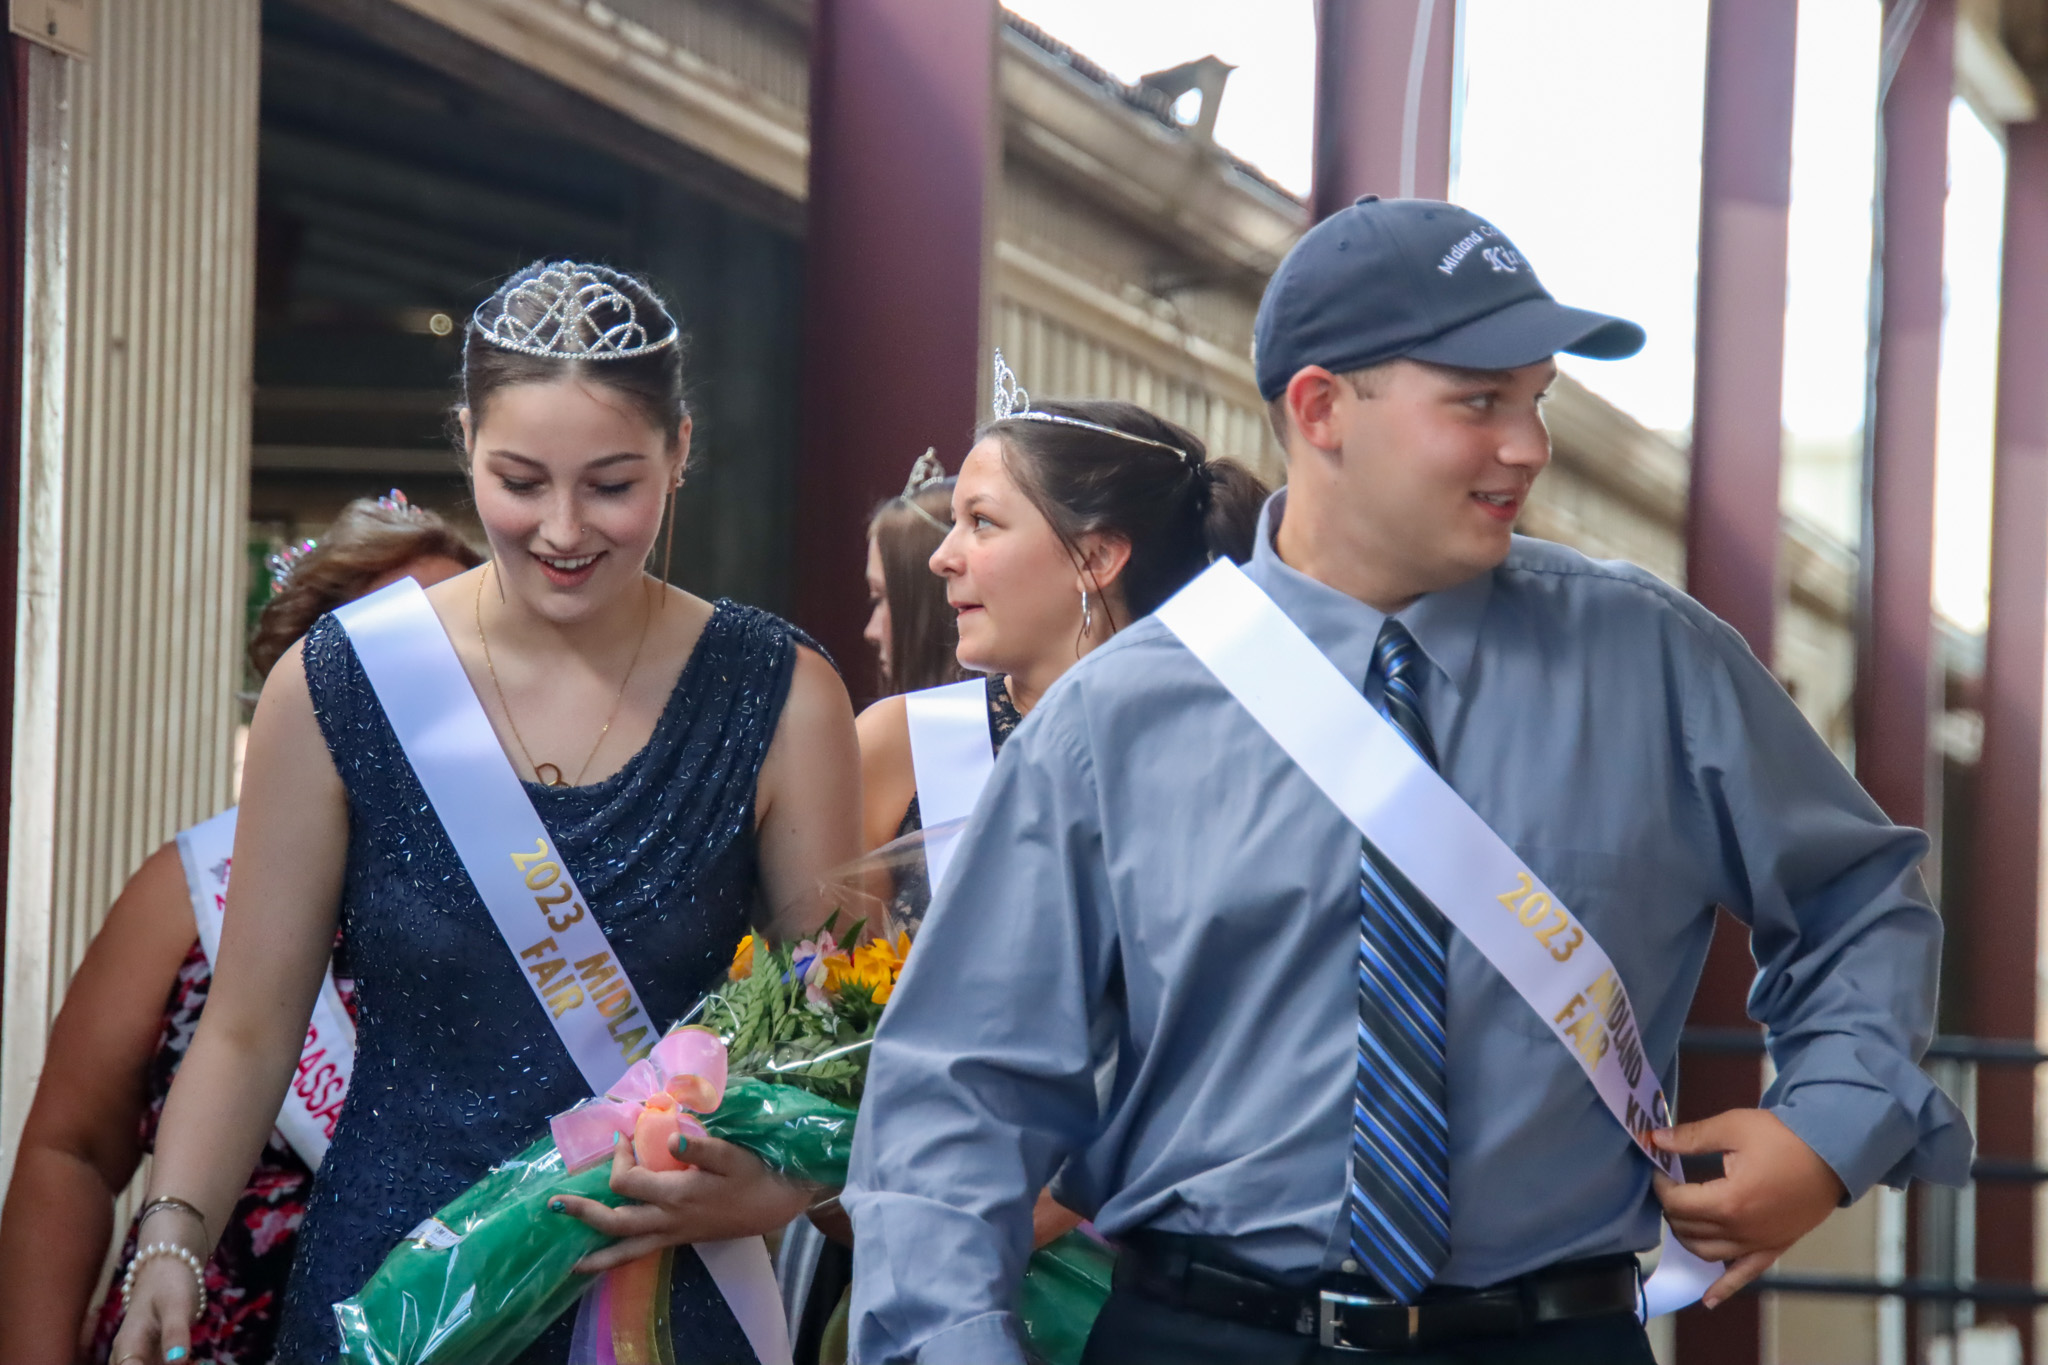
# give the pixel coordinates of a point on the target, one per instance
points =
(926, 473)
(284, 561)
(287, 559)
(567, 311)
(396, 501)
(1013, 404)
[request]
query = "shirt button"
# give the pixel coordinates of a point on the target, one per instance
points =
(1350, 1267)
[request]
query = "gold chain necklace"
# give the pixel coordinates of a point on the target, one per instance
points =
(541, 770)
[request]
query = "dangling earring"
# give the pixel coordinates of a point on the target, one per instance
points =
(668, 544)
(1087, 616)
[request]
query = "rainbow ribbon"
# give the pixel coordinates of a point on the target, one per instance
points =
(624, 1319)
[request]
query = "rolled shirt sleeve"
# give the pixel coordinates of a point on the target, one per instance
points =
(1848, 949)
(982, 1077)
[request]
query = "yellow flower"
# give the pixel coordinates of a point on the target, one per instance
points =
(838, 967)
(882, 956)
(742, 960)
(872, 967)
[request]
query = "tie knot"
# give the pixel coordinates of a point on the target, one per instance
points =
(1396, 653)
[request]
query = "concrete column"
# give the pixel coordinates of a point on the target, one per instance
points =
(14, 80)
(138, 319)
(1386, 73)
(903, 146)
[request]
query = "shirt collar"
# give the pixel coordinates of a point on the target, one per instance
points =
(1445, 624)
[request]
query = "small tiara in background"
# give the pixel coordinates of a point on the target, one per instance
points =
(926, 473)
(284, 561)
(567, 311)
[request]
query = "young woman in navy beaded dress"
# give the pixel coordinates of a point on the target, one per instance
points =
(694, 763)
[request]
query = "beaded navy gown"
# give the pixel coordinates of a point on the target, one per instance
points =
(457, 1066)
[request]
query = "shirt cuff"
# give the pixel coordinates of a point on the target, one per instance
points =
(990, 1339)
(1866, 1135)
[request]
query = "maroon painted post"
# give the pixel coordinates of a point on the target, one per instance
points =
(2005, 848)
(1895, 665)
(903, 145)
(1732, 518)
(1895, 695)
(1385, 72)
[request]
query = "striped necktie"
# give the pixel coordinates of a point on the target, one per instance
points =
(1399, 1207)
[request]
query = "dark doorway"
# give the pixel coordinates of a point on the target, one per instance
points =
(392, 195)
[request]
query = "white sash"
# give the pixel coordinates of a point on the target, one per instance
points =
(1361, 762)
(952, 754)
(328, 1056)
(528, 890)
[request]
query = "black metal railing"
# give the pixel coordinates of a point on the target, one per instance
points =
(1946, 1047)
(1955, 1051)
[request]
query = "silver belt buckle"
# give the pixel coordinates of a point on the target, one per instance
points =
(1328, 1331)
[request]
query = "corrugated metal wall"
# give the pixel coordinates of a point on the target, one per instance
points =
(135, 472)
(1056, 360)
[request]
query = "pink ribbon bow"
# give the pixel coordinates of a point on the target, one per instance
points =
(685, 1071)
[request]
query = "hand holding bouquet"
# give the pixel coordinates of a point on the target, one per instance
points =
(773, 1062)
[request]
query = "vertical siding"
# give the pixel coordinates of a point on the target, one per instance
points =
(1055, 360)
(134, 482)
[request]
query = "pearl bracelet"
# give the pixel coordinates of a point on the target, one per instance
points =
(156, 1249)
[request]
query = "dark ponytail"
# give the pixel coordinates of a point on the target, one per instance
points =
(1177, 508)
(1236, 496)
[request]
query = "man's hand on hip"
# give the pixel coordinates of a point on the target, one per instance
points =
(1775, 1190)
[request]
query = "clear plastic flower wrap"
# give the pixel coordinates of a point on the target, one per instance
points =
(482, 1279)
(773, 1061)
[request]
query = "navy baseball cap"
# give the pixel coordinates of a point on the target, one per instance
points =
(1390, 279)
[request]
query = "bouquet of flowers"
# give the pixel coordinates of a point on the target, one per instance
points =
(774, 1061)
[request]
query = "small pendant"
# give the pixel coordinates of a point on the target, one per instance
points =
(548, 775)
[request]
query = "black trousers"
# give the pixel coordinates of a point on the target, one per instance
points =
(1135, 1331)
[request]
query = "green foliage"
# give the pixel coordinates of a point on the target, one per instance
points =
(774, 1030)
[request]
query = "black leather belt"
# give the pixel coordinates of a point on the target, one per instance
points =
(1198, 1275)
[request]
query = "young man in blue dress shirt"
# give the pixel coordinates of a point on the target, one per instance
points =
(1148, 870)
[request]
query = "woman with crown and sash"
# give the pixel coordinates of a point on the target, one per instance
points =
(544, 799)
(1069, 520)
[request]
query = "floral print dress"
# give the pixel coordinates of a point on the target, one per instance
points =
(246, 1277)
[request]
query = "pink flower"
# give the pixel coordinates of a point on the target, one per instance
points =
(810, 956)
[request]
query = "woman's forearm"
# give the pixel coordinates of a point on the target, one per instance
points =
(220, 1113)
(53, 1240)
